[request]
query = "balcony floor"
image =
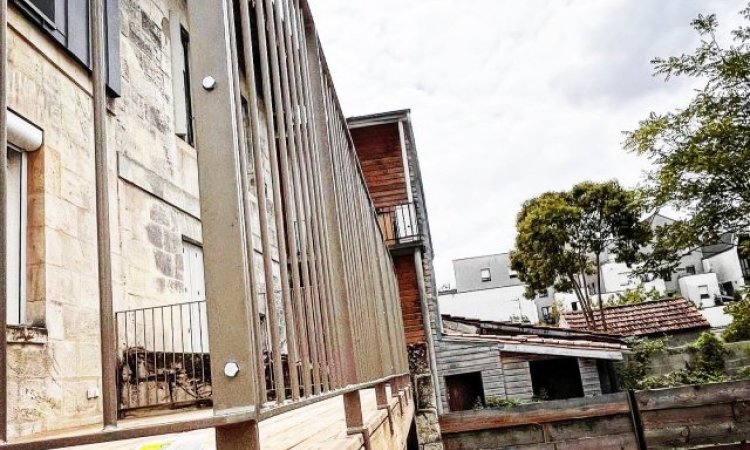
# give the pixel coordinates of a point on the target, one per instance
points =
(318, 426)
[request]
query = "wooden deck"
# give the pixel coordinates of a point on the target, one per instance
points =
(318, 426)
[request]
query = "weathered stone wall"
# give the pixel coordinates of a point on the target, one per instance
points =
(154, 207)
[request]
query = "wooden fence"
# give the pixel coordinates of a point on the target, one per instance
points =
(690, 417)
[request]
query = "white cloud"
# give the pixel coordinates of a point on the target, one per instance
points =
(509, 98)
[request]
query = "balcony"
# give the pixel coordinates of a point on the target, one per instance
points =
(400, 225)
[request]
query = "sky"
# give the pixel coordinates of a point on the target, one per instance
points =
(510, 98)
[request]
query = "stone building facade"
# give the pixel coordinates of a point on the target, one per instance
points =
(53, 347)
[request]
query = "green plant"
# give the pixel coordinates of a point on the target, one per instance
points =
(739, 329)
(493, 402)
(743, 373)
(634, 296)
(699, 151)
(708, 354)
(633, 371)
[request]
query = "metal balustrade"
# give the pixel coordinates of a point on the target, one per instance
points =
(335, 326)
(399, 224)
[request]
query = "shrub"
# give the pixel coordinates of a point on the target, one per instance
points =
(708, 353)
(739, 329)
(499, 402)
(634, 296)
(636, 368)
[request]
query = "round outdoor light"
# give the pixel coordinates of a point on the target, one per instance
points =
(231, 369)
(209, 83)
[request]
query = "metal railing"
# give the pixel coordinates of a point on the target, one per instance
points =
(336, 315)
(399, 224)
(163, 357)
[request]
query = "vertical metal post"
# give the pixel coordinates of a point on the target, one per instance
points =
(104, 253)
(268, 96)
(228, 289)
(261, 394)
(335, 240)
(3, 219)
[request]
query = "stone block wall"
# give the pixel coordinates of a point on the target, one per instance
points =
(154, 207)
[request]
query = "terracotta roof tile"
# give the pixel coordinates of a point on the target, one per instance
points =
(648, 318)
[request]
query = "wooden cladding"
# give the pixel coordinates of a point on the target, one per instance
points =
(408, 289)
(381, 158)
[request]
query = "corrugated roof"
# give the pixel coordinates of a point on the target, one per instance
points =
(649, 318)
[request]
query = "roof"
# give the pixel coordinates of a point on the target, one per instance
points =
(668, 316)
(515, 338)
(489, 327)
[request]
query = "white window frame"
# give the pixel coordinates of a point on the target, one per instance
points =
(484, 277)
(17, 306)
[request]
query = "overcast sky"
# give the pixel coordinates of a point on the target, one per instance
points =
(509, 98)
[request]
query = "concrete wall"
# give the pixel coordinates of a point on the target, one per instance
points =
(468, 272)
(726, 266)
(692, 288)
(500, 305)
(154, 206)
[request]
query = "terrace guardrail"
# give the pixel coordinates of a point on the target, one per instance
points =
(399, 224)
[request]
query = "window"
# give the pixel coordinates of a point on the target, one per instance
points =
(703, 291)
(545, 311)
(67, 21)
(485, 274)
(574, 306)
(16, 217)
(668, 277)
(46, 7)
(195, 284)
(183, 105)
(464, 391)
(512, 274)
(690, 270)
(624, 279)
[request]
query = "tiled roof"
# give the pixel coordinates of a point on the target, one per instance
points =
(644, 319)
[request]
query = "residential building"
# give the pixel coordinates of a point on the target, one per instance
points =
(488, 289)
(187, 223)
(388, 156)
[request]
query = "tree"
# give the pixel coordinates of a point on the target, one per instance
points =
(700, 153)
(563, 235)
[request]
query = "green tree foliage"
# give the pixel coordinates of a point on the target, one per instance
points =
(634, 296)
(562, 236)
(638, 365)
(700, 153)
(708, 354)
(739, 329)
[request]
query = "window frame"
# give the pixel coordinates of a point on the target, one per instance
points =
(482, 276)
(21, 278)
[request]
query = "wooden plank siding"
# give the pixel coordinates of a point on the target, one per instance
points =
(379, 151)
(592, 386)
(455, 358)
(518, 375)
(690, 417)
(408, 290)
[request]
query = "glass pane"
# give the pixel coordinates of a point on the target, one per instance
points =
(14, 237)
(46, 7)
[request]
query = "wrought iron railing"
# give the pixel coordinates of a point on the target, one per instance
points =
(163, 357)
(399, 224)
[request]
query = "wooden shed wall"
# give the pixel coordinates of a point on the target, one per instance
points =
(518, 375)
(408, 290)
(455, 358)
(379, 151)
